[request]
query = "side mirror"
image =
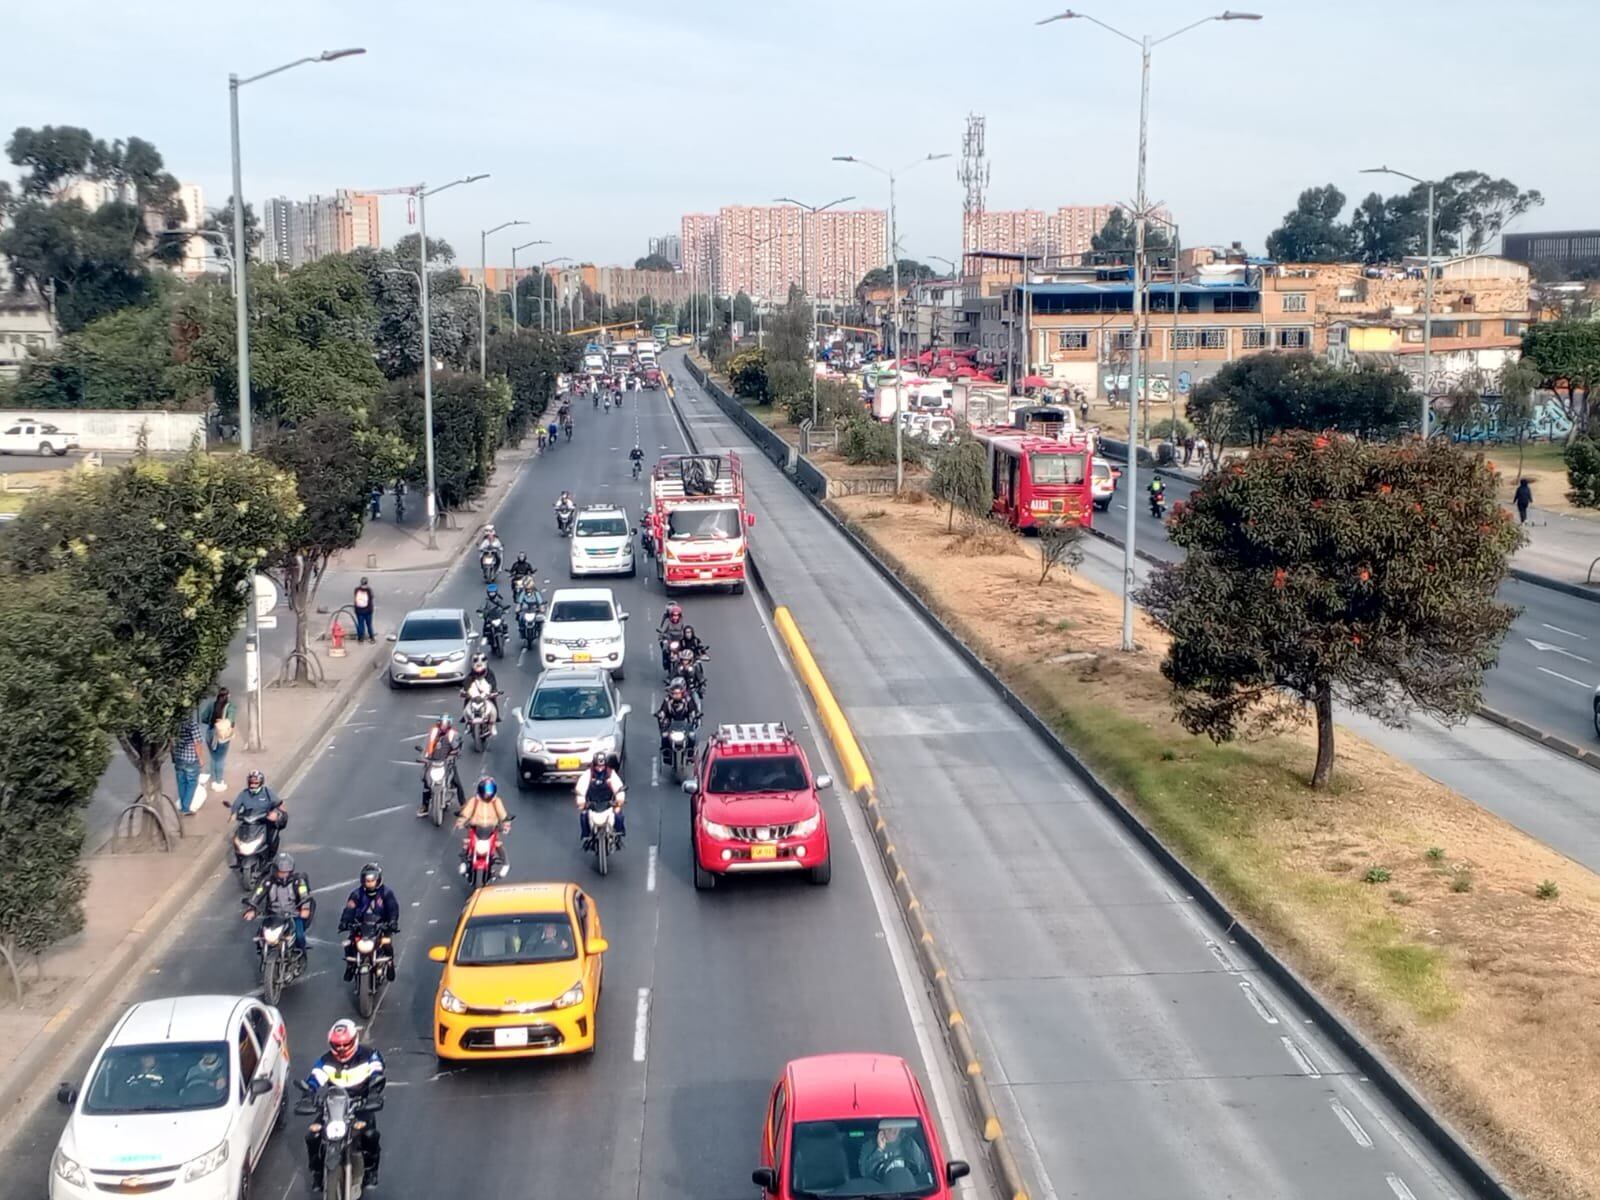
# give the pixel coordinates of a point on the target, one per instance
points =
(624, 710)
(956, 1169)
(260, 1086)
(750, 519)
(391, 637)
(622, 616)
(598, 945)
(305, 1108)
(766, 1179)
(824, 781)
(438, 953)
(67, 1094)
(691, 786)
(301, 1086)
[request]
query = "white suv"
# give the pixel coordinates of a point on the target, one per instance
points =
(602, 542)
(181, 1099)
(583, 627)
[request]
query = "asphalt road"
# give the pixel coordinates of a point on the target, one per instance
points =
(1132, 1051)
(733, 983)
(1549, 662)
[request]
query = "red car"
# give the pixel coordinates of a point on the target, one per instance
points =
(755, 807)
(852, 1125)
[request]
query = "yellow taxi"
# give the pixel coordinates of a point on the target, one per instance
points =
(521, 974)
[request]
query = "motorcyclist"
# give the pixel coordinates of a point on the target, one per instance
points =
(564, 508)
(671, 626)
(601, 776)
(485, 812)
(689, 669)
(372, 901)
(494, 604)
(552, 432)
(284, 893)
(492, 544)
(443, 745)
(678, 707)
(1158, 492)
(521, 569)
(542, 436)
(636, 457)
(359, 1071)
(258, 800)
(480, 682)
(692, 640)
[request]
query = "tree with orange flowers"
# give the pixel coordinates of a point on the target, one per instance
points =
(1326, 567)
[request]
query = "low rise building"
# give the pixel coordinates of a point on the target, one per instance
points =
(27, 328)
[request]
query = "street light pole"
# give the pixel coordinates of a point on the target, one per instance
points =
(1145, 44)
(516, 324)
(483, 294)
(1427, 292)
(241, 328)
(811, 210)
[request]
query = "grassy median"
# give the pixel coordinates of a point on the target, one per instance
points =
(1467, 950)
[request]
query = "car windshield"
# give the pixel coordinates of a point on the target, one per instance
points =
(431, 629)
(570, 702)
(701, 522)
(516, 939)
(602, 527)
(1102, 472)
(733, 774)
(159, 1078)
(861, 1158)
(1056, 468)
(581, 611)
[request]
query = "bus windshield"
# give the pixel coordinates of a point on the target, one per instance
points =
(1056, 468)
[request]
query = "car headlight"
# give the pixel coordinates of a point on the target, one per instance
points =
(721, 832)
(809, 826)
(208, 1162)
(67, 1169)
(449, 1001)
(603, 745)
(457, 656)
(400, 658)
(532, 747)
(573, 995)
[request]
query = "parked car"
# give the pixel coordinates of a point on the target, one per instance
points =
(584, 627)
(180, 1100)
(521, 975)
(755, 807)
(1103, 483)
(602, 542)
(432, 647)
(852, 1125)
(572, 712)
(30, 436)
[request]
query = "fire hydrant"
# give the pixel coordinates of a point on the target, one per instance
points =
(336, 635)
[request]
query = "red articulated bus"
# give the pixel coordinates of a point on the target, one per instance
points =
(1038, 478)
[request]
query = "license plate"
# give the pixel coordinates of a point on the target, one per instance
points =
(705, 574)
(760, 853)
(427, 672)
(582, 656)
(511, 1037)
(569, 763)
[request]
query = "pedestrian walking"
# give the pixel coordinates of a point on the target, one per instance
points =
(186, 751)
(363, 610)
(217, 720)
(1524, 498)
(1188, 449)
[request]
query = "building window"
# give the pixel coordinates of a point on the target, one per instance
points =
(1513, 328)
(1074, 339)
(1414, 333)
(1336, 336)
(1254, 339)
(1294, 302)
(1474, 328)
(1447, 329)
(1294, 339)
(1213, 339)
(1124, 339)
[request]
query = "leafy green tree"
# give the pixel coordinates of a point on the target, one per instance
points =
(391, 284)
(1253, 398)
(865, 441)
(220, 220)
(747, 372)
(961, 479)
(1117, 236)
(57, 689)
(910, 269)
(1311, 231)
(1465, 407)
(1060, 545)
(1583, 472)
(170, 548)
(440, 252)
(122, 360)
(1518, 381)
(530, 362)
(1326, 568)
(1567, 355)
(653, 262)
(1386, 231)
(469, 417)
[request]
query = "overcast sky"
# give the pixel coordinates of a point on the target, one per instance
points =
(602, 121)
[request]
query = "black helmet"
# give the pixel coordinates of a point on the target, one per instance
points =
(371, 877)
(255, 781)
(601, 760)
(522, 556)
(284, 865)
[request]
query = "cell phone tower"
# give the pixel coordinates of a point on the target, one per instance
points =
(973, 173)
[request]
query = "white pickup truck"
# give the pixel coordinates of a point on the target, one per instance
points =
(30, 436)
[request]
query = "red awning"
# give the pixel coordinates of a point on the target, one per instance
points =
(1035, 381)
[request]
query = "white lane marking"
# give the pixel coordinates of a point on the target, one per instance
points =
(380, 812)
(333, 887)
(351, 717)
(1352, 1126)
(650, 870)
(1399, 1188)
(416, 737)
(1552, 648)
(1307, 1067)
(1221, 955)
(1257, 1003)
(353, 852)
(655, 772)
(641, 1025)
(1564, 678)
(521, 654)
(1567, 632)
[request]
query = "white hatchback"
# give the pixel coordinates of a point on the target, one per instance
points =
(602, 542)
(583, 627)
(181, 1099)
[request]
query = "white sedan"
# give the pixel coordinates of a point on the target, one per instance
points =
(181, 1099)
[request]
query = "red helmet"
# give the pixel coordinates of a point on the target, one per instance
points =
(674, 612)
(343, 1040)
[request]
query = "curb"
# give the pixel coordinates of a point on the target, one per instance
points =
(1592, 594)
(1533, 733)
(1368, 1058)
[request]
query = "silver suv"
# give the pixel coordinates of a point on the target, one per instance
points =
(431, 647)
(572, 713)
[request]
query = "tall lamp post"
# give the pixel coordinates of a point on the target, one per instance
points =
(1145, 43)
(953, 282)
(544, 276)
(811, 210)
(894, 310)
(516, 324)
(483, 295)
(241, 322)
(1427, 292)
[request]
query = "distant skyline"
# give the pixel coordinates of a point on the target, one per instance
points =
(599, 120)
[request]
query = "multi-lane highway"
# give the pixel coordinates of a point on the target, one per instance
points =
(706, 995)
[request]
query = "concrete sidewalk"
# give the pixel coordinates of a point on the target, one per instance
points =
(135, 888)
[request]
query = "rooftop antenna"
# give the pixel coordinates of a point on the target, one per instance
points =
(973, 172)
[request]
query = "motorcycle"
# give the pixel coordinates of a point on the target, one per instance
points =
(478, 717)
(399, 503)
(564, 518)
(375, 504)
(602, 840)
(339, 1114)
(254, 849)
(638, 465)
(1158, 505)
(567, 429)
(694, 674)
(530, 620)
(494, 632)
(280, 964)
(489, 564)
(680, 753)
(438, 790)
(479, 866)
(669, 656)
(374, 965)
